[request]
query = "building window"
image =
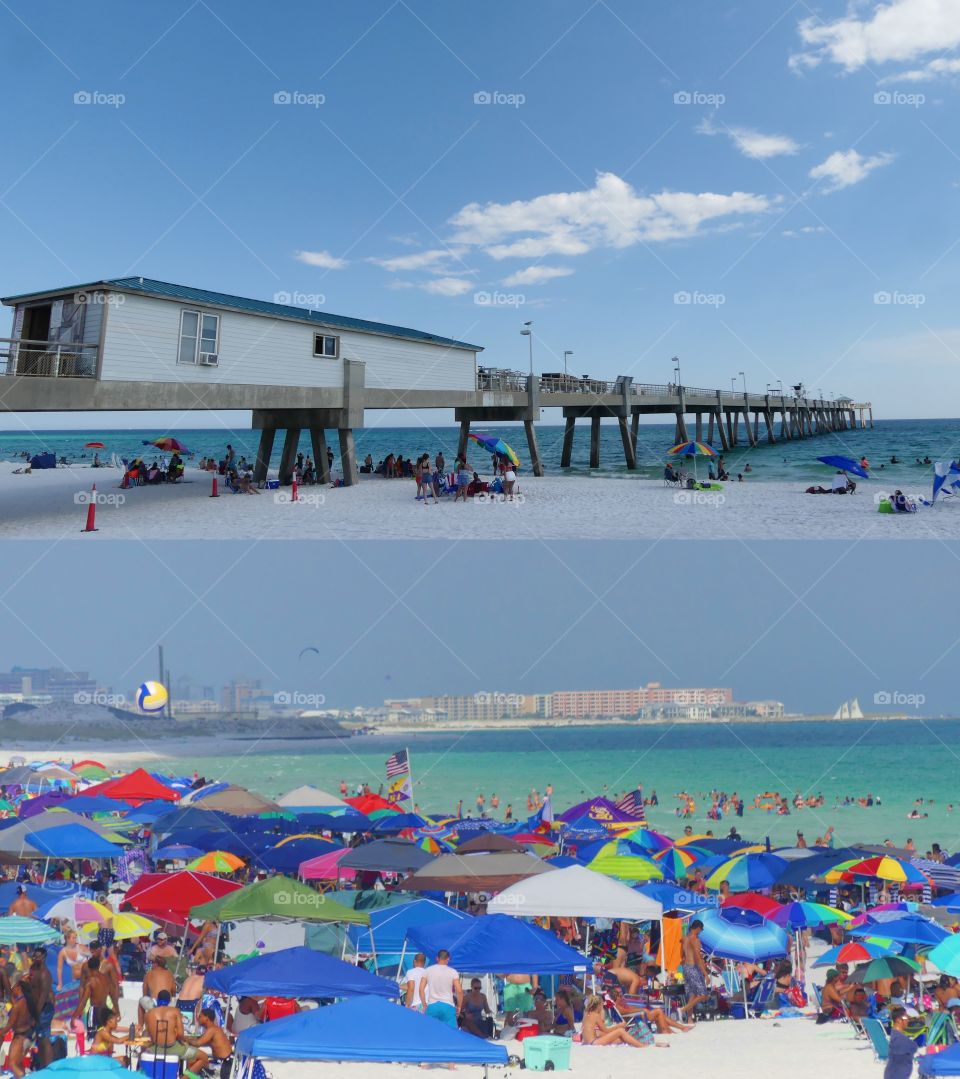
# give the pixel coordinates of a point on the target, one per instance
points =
(199, 336)
(328, 347)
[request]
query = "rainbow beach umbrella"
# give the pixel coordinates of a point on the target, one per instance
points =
(216, 861)
(855, 951)
(694, 450)
(879, 867)
(746, 872)
(494, 445)
(805, 915)
(621, 861)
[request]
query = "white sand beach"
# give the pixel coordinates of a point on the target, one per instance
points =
(52, 505)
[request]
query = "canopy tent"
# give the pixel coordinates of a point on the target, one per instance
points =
(389, 926)
(334, 820)
(575, 892)
(239, 801)
(95, 803)
(475, 872)
(73, 841)
(30, 807)
(193, 817)
(670, 897)
(365, 1029)
(299, 973)
(494, 943)
(170, 896)
(135, 788)
(289, 854)
(387, 856)
(489, 843)
(326, 867)
(15, 841)
(277, 897)
(308, 797)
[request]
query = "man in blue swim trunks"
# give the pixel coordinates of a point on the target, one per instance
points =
(696, 977)
(440, 986)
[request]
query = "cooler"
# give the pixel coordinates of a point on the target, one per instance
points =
(547, 1053)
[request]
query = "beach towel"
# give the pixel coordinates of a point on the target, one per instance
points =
(672, 948)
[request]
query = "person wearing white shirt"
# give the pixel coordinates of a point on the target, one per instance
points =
(414, 976)
(441, 983)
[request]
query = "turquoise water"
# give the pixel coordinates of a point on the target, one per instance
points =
(897, 761)
(796, 460)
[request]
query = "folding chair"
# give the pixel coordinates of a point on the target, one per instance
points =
(878, 1038)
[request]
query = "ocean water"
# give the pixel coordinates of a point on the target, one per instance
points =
(794, 461)
(899, 761)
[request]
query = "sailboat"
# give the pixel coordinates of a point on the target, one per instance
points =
(849, 710)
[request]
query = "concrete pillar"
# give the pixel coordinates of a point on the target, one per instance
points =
(594, 441)
(464, 435)
(318, 440)
(566, 453)
(871, 417)
(535, 461)
(681, 416)
(768, 420)
(288, 458)
(635, 426)
(751, 433)
(348, 457)
(710, 427)
(264, 452)
(721, 432)
(699, 426)
(629, 449)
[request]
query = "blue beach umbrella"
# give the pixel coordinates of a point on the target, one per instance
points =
(177, 852)
(946, 955)
(902, 928)
(845, 464)
(742, 935)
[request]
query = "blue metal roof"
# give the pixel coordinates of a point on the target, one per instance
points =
(184, 293)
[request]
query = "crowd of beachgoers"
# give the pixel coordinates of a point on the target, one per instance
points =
(167, 917)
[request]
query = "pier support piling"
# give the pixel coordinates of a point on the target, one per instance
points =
(569, 429)
(536, 463)
(288, 458)
(348, 457)
(594, 441)
(318, 440)
(629, 447)
(264, 452)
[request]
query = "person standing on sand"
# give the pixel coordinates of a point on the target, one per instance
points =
(442, 983)
(696, 977)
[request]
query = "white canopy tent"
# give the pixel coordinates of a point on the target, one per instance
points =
(311, 798)
(576, 892)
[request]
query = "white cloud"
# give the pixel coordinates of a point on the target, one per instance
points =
(536, 275)
(899, 30)
(807, 230)
(446, 286)
(610, 214)
(752, 143)
(420, 260)
(935, 69)
(844, 168)
(323, 259)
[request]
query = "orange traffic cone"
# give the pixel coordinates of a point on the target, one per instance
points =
(92, 512)
(293, 492)
(214, 493)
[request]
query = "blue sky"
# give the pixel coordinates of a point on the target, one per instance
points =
(811, 624)
(791, 171)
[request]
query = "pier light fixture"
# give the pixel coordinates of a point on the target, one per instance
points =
(733, 384)
(675, 360)
(566, 353)
(527, 332)
(744, 377)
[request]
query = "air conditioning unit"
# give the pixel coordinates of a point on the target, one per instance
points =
(209, 359)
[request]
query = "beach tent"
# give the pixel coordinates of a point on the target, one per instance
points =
(95, 803)
(489, 843)
(364, 1029)
(73, 841)
(334, 820)
(673, 898)
(170, 896)
(299, 973)
(389, 926)
(331, 937)
(598, 809)
(474, 872)
(394, 823)
(135, 788)
(31, 807)
(308, 797)
(946, 1062)
(387, 856)
(15, 841)
(289, 854)
(239, 802)
(494, 943)
(575, 892)
(277, 897)
(326, 867)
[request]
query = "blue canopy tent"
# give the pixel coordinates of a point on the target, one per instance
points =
(298, 972)
(389, 926)
(673, 898)
(350, 820)
(945, 1063)
(96, 803)
(395, 823)
(73, 841)
(288, 856)
(494, 943)
(367, 1029)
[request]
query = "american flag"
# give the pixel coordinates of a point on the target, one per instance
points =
(398, 764)
(632, 803)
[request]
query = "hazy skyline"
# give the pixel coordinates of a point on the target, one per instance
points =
(808, 623)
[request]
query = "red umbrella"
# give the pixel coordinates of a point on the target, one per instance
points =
(759, 904)
(94, 446)
(168, 445)
(370, 803)
(169, 897)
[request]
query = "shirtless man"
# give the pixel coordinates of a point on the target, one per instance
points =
(213, 1039)
(162, 946)
(41, 984)
(106, 969)
(20, 1023)
(95, 988)
(22, 904)
(157, 979)
(696, 977)
(164, 1025)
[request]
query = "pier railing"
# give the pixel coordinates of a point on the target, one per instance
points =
(47, 359)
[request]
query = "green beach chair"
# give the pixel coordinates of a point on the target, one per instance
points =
(878, 1038)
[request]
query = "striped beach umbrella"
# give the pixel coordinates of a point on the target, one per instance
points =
(805, 915)
(216, 861)
(746, 872)
(645, 838)
(618, 859)
(888, 966)
(15, 929)
(676, 861)
(692, 449)
(878, 867)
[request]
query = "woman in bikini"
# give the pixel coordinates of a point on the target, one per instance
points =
(72, 953)
(596, 1031)
(107, 1037)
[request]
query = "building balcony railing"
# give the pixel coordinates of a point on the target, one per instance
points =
(47, 359)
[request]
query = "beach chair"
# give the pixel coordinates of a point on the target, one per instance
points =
(879, 1041)
(938, 1030)
(763, 995)
(856, 1025)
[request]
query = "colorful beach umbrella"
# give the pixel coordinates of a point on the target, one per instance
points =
(76, 908)
(694, 450)
(854, 951)
(745, 872)
(216, 861)
(946, 956)
(845, 464)
(741, 935)
(618, 859)
(645, 838)
(494, 445)
(887, 966)
(94, 446)
(15, 929)
(676, 861)
(759, 904)
(878, 867)
(903, 928)
(167, 444)
(805, 915)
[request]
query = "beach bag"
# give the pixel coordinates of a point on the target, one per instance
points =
(796, 996)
